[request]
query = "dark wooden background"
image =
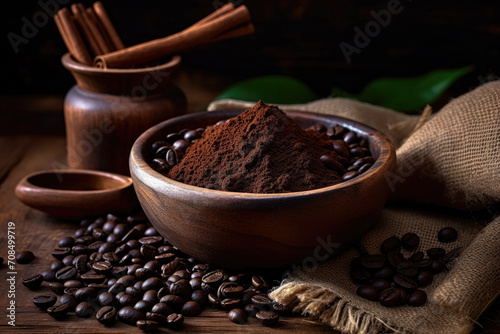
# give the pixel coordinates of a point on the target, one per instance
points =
(298, 38)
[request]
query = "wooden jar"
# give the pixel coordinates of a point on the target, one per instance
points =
(108, 109)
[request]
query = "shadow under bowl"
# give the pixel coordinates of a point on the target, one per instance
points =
(250, 231)
(74, 194)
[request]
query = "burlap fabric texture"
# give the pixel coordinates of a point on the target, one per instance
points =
(448, 159)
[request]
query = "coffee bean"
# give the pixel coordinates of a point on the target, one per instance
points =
(360, 275)
(56, 265)
(61, 252)
(66, 273)
(380, 284)
(237, 316)
(143, 305)
(268, 318)
(70, 300)
(80, 263)
(174, 321)
(286, 309)
(450, 257)
(173, 301)
(367, 292)
(384, 272)
(436, 266)
(158, 317)
(229, 290)
(251, 310)
(149, 252)
(200, 297)
(86, 294)
(44, 301)
(25, 257)
(391, 244)
(66, 242)
(263, 302)
(436, 253)
(332, 164)
(147, 325)
(405, 282)
(84, 310)
(73, 284)
(390, 297)
(410, 241)
(47, 275)
(407, 268)
(106, 315)
(191, 309)
(424, 278)
(33, 282)
(151, 296)
(56, 287)
(350, 137)
(130, 315)
(417, 298)
(106, 298)
(154, 283)
(394, 258)
(213, 300)
(447, 234)
(417, 256)
(127, 300)
(213, 278)
(228, 304)
(350, 175)
(93, 278)
(162, 308)
(375, 261)
(58, 311)
(424, 264)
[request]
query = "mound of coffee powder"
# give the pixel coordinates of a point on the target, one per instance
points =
(259, 151)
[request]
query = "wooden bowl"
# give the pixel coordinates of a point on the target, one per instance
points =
(74, 194)
(246, 230)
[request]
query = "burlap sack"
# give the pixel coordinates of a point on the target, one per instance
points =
(452, 159)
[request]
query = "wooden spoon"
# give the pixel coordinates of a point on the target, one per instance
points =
(77, 193)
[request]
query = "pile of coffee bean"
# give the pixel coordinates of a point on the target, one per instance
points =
(114, 268)
(392, 279)
(354, 153)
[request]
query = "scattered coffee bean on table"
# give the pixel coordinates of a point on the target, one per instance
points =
(126, 271)
(25, 257)
(391, 279)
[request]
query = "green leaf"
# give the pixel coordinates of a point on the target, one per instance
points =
(273, 89)
(409, 94)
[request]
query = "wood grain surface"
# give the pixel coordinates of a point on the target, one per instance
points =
(40, 233)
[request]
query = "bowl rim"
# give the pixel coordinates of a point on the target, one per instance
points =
(72, 65)
(386, 156)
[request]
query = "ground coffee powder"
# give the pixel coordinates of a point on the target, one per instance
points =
(259, 151)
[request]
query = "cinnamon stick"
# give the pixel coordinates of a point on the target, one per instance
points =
(103, 17)
(82, 23)
(178, 42)
(75, 44)
(223, 10)
(91, 19)
(242, 30)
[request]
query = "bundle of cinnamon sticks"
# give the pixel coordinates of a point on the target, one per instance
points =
(108, 51)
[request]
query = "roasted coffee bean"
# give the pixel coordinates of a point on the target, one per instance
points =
(390, 297)
(143, 306)
(191, 309)
(79, 233)
(61, 252)
(229, 290)
(350, 137)
(424, 278)
(424, 264)
(229, 304)
(364, 168)
(44, 301)
(150, 296)
(394, 258)
(391, 244)
(33, 282)
(436, 253)
(350, 175)
(437, 266)
(130, 315)
(162, 308)
(417, 298)
(260, 283)
(107, 251)
(106, 298)
(147, 325)
(181, 288)
(417, 256)
(167, 260)
(410, 241)
(68, 260)
(73, 283)
(153, 283)
(174, 321)
(99, 287)
(375, 261)
(213, 300)
(195, 283)
(25, 257)
(70, 300)
(192, 135)
(127, 300)
(56, 265)
(367, 292)
(237, 316)
(263, 302)
(70, 291)
(149, 251)
(66, 242)
(158, 317)
(58, 311)
(213, 278)
(380, 284)
(84, 310)
(268, 318)
(151, 240)
(122, 250)
(286, 309)
(133, 234)
(93, 278)
(66, 273)
(200, 297)
(145, 273)
(86, 294)
(447, 234)
(56, 287)
(106, 315)
(405, 282)
(95, 257)
(47, 275)
(173, 301)
(384, 272)
(127, 280)
(172, 157)
(80, 249)
(80, 263)
(407, 268)
(251, 310)
(332, 164)
(448, 259)
(360, 275)
(340, 148)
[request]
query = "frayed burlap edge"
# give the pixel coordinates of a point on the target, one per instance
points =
(337, 312)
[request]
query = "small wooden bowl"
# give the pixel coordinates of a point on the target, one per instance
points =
(74, 194)
(244, 230)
